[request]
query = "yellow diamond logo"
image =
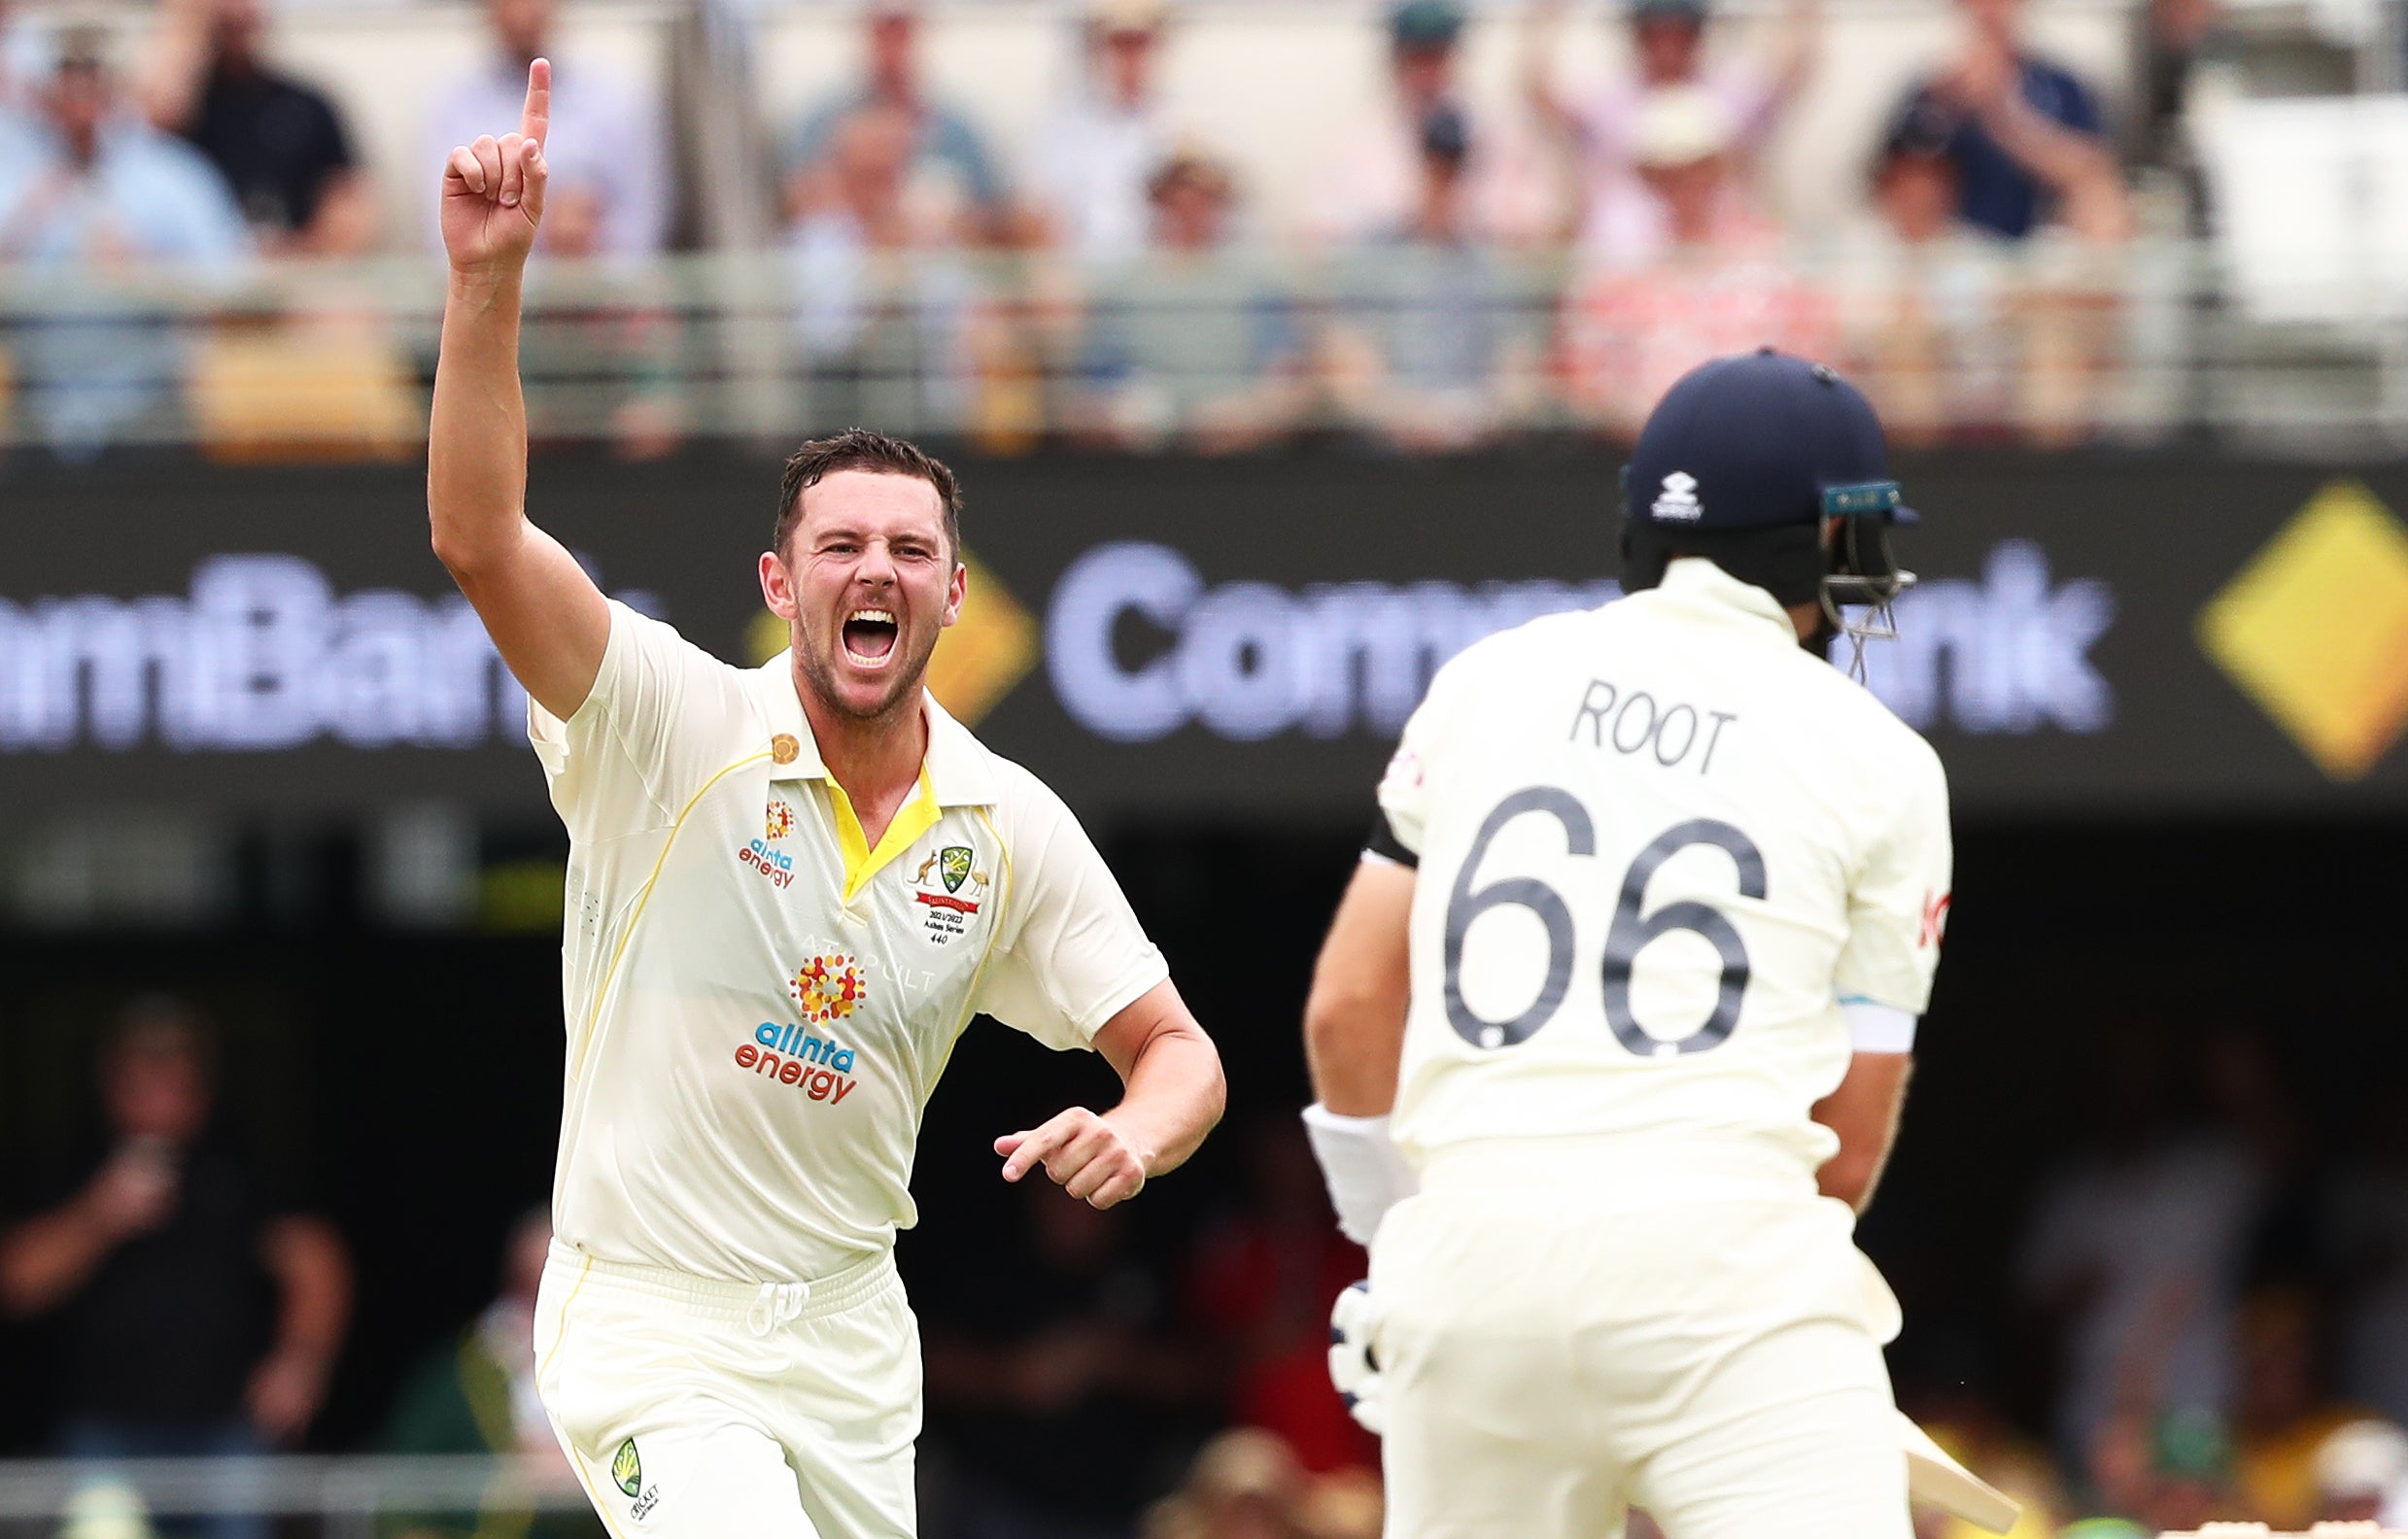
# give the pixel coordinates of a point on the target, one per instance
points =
(989, 648)
(2314, 629)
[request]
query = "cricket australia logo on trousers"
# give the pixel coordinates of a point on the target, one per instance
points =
(938, 885)
(627, 1472)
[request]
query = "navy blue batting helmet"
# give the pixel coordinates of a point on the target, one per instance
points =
(1742, 461)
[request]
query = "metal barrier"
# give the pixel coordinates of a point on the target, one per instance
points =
(333, 1497)
(1414, 348)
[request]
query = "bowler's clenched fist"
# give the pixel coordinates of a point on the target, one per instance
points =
(1085, 1153)
(493, 190)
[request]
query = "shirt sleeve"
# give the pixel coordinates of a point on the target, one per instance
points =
(1898, 903)
(1071, 954)
(1404, 794)
(644, 742)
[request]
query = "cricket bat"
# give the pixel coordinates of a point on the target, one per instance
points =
(1932, 1476)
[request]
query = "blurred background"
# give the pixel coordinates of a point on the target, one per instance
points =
(1284, 347)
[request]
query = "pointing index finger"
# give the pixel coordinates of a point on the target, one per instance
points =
(535, 120)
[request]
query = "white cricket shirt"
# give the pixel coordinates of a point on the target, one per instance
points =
(758, 1004)
(1659, 844)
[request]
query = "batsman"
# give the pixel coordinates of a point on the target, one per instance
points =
(1612, 1028)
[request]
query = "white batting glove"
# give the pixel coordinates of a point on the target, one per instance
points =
(1353, 1367)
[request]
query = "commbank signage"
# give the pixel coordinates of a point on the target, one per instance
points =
(1178, 638)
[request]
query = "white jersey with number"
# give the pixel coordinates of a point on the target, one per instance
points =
(1659, 845)
(758, 1002)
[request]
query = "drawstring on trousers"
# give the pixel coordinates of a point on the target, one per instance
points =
(774, 1305)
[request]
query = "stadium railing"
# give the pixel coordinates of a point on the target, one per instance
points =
(331, 1498)
(2049, 344)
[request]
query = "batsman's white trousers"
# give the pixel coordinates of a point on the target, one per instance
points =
(781, 1412)
(1570, 1328)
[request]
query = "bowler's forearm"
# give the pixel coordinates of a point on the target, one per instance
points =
(476, 450)
(1175, 1095)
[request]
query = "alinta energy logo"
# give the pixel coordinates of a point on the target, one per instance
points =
(2314, 629)
(828, 988)
(820, 1067)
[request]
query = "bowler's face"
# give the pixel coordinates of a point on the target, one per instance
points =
(866, 585)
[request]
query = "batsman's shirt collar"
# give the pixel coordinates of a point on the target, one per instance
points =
(1698, 585)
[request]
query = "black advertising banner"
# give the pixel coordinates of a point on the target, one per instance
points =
(2111, 634)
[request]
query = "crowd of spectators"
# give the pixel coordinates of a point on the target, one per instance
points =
(1463, 266)
(2213, 1304)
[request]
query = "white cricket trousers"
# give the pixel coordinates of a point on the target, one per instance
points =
(1570, 1328)
(701, 1409)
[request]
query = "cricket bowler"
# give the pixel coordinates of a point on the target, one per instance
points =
(789, 889)
(1618, 1009)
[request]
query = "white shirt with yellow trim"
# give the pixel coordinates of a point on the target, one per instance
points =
(1668, 859)
(758, 1004)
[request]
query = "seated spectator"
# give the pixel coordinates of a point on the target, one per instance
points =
(1052, 1397)
(1929, 299)
(198, 1312)
(94, 191)
(1095, 155)
(1197, 343)
(279, 144)
(603, 357)
(885, 305)
(1427, 342)
(22, 49)
(1369, 186)
(1621, 219)
(1720, 286)
(476, 1394)
(606, 140)
(2361, 1474)
(2282, 1415)
(950, 174)
(2027, 137)
(1244, 1484)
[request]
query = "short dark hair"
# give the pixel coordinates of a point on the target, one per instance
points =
(859, 448)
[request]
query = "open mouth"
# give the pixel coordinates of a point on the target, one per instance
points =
(870, 636)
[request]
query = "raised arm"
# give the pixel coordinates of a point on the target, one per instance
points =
(545, 615)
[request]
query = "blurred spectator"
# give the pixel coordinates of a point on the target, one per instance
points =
(199, 1314)
(2281, 1416)
(477, 1395)
(94, 191)
(2361, 1474)
(1262, 1282)
(1368, 188)
(1244, 1484)
(1429, 342)
(885, 304)
(2136, 1245)
(1198, 342)
(951, 179)
(1054, 1381)
(2027, 137)
(598, 343)
(1094, 155)
(606, 140)
(1719, 287)
(1622, 217)
(2190, 1472)
(279, 144)
(2367, 1214)
(21, 50)
(1929, 298)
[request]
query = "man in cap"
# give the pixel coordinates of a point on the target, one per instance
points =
(1620, 217)
(1366, 188)
(1627, 985)
(1096, 155)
